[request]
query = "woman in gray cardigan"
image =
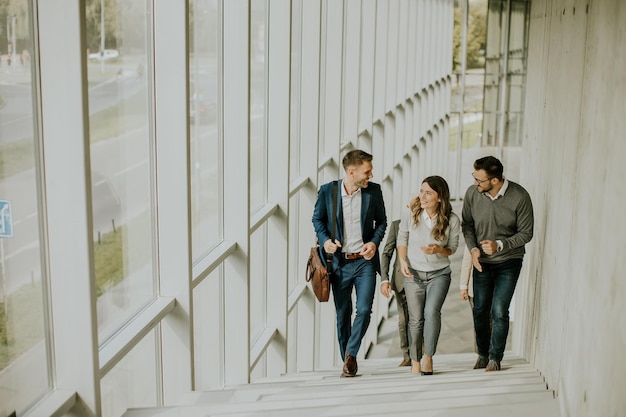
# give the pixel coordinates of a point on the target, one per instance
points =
(428, 235)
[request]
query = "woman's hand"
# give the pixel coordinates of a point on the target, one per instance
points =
(431, 249)
(464, 295)
(404, 267)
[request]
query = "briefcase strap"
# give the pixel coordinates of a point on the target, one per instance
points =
(329, 257)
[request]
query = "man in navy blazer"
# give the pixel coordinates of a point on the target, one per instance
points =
(360, 227)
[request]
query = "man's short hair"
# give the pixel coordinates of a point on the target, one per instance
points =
(355, 158)
(491, 165)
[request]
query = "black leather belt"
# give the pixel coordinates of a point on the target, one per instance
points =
(351, 256)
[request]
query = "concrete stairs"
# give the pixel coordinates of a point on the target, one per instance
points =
(380, 388)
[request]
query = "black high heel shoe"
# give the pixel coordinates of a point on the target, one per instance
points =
(431, 367)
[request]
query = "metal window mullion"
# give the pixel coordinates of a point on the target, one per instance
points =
(171, 69)
(67, 195)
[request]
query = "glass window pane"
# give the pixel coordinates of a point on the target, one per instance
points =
(132, 383)
(23, 355)
(119, 105)
(206, 174)
(258, 282)
(258, 100)
(208, 301)
(296, 78)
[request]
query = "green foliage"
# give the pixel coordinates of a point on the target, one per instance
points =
(93, 24)
(16, 157)
(470, 137)
(476, 35)
(22, 327)
(109, 260)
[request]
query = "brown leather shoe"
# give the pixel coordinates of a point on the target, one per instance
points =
(405, 362)
(493, 365)
(350, 366)
(481, 362)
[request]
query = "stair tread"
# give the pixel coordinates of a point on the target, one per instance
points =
(455, 390)
(359, 406)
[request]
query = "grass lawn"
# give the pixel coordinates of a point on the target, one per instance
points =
(471, 135)
(21, 313)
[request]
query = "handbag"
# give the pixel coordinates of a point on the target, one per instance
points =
(316, 273)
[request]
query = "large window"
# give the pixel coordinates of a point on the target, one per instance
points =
(121, 154)
(258, 104)
(468, 86)
(206, 173)
(23, 365)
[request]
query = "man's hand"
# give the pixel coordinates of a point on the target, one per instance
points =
(385, 289)
(489, 246)
(464, 295)
(368, 251)
(331, 247)
(475, 257)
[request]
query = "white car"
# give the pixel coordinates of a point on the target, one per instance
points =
(104, 55)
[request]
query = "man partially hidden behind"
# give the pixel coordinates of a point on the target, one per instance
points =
(394, 281)
(360, 227)
(497, 223)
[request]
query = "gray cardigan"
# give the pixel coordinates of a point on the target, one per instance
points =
(413, 237)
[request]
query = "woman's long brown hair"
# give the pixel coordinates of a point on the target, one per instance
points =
(444, 208)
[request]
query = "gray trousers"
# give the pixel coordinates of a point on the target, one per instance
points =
(425, 294)
(403, 323)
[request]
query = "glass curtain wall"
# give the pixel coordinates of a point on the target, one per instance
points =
(242, 315)
(490, 52)
(120, 106)
(24, 368)
(466, 105)
(204, 61)
(505, 71)
(259, 32)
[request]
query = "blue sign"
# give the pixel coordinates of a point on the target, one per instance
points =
(6, 222)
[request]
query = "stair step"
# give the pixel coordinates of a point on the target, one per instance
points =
(455, 390)
(509, 404)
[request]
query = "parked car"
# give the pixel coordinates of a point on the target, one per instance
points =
(104, 55)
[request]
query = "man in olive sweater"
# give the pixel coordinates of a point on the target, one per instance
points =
(497, 223)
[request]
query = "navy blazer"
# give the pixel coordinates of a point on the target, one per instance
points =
(373, 218)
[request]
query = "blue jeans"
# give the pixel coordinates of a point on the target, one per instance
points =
(493, 291)
(425, 294)
(360, 275)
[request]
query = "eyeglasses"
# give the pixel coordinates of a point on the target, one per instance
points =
(480, 181)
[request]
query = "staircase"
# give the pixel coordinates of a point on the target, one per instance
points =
(381, 388)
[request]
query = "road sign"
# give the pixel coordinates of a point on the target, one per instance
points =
(6, 222)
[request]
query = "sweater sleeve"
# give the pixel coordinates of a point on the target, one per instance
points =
(525, 223)
(469, 233)
(466, 270)
(455, 231)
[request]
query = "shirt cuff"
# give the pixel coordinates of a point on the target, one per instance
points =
(383, 281)
(500, 245)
